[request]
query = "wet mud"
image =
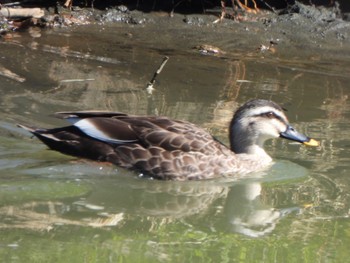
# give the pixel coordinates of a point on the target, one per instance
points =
(297, 26)
(295, 29)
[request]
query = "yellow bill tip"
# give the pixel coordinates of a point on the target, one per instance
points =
(312, 142)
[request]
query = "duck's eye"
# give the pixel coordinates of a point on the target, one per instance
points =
(269, 114)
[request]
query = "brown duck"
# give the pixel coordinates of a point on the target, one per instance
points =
(171, 149)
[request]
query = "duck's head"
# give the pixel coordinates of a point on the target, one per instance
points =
(259, 120)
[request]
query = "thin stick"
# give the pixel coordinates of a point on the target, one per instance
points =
(150, 84)
(272, 9)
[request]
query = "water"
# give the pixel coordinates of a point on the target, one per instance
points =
(55, 208)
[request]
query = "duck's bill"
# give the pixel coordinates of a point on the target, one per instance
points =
(294, 135)
(312, 142)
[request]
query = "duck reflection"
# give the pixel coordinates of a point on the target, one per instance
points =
(248, 214)
(156, 198)
(239, 206)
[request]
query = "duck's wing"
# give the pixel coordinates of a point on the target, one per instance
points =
(108, 130)
(144, 130)
(101, 125)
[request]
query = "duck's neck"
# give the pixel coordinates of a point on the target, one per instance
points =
(257, 152)
(250, 145)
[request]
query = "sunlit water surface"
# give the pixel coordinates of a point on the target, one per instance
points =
(55, 208)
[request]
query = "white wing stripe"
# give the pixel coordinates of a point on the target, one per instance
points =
(90, 129)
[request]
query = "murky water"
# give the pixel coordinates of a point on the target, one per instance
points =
(55, 208)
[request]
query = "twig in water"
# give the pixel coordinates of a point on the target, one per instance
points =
(9, 74)
(150, 84)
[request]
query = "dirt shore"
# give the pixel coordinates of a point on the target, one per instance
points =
(298, 28)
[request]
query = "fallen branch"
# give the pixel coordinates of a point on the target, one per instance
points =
(21, 12)
(150, 84)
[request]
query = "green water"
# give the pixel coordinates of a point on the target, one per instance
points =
(55, 208)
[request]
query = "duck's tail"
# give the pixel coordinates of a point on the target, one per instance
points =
(70, 140)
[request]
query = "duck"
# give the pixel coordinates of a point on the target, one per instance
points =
(167, 149)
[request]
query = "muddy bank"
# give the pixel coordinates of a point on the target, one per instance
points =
(297, 28)
(317, 22)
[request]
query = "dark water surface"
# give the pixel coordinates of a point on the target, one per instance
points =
(55, 208)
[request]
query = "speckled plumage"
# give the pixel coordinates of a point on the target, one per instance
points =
(171, 149)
